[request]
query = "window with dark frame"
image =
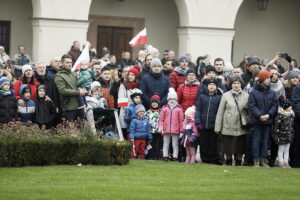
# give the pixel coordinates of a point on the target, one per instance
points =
(5, 35)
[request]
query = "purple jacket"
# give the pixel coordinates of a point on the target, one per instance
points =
(171, 120)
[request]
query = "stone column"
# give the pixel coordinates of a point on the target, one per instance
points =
(217, 42)
(54, 37)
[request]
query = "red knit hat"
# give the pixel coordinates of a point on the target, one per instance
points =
(135, 70)
(155, 98)
(263, 75)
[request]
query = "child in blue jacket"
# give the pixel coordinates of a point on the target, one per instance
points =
(140, 132)
(26, 112)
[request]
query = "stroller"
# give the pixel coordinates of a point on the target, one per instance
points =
(107, 122)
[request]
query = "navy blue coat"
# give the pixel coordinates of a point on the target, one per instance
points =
(207, 109)
(262, 101)
(140, 129)
(154, 83)
(203, 87)
(296, 101)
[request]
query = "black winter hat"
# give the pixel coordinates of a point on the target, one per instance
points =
(212, 80)
(189, 71)
(284, 103)
(253, 60)
(210, 68)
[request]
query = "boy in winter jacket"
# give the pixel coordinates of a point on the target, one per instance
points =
(26, 112)
(85, 80)
(45, 110)
(130, 110)
(283, 131)
(207, 106)
(263, 108)
(171, 124)
(8, 102)
(140, 132)
(153, 115)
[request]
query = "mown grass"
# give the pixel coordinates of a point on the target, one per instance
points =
(149, 180)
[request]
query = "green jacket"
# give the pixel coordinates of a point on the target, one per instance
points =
(66, 83)
(86, 78)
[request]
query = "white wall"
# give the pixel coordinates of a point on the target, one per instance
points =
(263, 33)
(161, 18)
(20, 14)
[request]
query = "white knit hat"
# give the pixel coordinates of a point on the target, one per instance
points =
(172, 94)
(25, 68)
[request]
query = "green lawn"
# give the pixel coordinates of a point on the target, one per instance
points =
(149, 180)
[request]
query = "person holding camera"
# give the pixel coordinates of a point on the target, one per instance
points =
(276, 62)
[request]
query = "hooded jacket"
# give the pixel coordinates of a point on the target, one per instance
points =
(262, 101)
(8, 107)
(26, 113)
(33, 87)
(177, 77)
(66, 83)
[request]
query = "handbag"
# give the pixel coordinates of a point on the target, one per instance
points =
(246, 126)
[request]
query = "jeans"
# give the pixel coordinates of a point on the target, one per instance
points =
(260, 140)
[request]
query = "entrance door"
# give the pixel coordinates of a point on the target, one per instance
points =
(116, 39)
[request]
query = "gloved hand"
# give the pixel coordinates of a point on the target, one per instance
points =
(199, 126)
(180, 135)
(286, 57)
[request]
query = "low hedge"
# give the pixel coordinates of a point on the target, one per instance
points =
(31, 146)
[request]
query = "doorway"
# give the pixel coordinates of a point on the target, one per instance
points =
(116, 39)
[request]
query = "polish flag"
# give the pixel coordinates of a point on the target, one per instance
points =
(84, 56)
(139, 39)
(122, 102)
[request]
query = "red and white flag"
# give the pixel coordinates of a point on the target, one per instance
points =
(84, 57)
(139, 39)
(122, 102)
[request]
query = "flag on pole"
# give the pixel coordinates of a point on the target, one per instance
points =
(139, 39)
(84, 56)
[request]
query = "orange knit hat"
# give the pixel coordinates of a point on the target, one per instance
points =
(263, 75)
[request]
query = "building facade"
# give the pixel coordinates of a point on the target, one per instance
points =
(228, 28)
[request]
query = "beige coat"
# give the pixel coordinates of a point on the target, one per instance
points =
(228, 119)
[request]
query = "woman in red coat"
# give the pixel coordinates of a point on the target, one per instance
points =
(187, 92)
(27, 78)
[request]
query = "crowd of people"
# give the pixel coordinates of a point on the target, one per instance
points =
(168, 107)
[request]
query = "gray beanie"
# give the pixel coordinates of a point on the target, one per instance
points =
(155, 62)
(293, 74)
(139, 108)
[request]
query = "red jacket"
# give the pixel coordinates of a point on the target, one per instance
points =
(171, 120)
(187, 94)
(176, 79)
(33, 87)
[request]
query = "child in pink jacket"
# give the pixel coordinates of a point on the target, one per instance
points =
(190, 135)
(171, 124)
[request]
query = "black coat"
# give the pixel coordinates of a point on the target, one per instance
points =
(207, 109)
(45, 111)
(262, 101)
(51, 89)
(8, 108)
(154, 83)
